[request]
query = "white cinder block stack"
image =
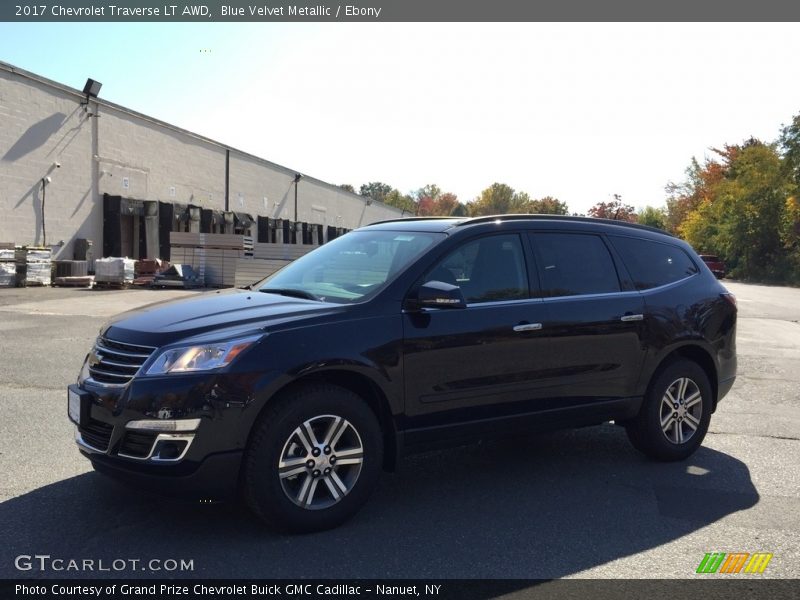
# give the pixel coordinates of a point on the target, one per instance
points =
(114, 270)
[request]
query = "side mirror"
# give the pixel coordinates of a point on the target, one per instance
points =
(438, 294)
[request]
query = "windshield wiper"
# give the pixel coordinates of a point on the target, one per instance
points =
(292, 293)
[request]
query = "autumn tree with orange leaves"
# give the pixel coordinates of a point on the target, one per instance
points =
(616, 210)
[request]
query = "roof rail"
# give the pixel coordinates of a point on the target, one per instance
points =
(521, 217)
(404, 219)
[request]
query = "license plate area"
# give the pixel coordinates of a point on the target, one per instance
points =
(77, 406)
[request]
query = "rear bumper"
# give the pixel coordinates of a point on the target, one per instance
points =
(216, 478)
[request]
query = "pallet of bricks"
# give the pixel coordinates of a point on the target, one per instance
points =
(266, 259)
(33, 265)
(8, 265)
(213, 255)
(113, 272)
(145, 270)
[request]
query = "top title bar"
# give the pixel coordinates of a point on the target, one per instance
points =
(145, 11)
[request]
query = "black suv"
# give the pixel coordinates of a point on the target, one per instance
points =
(401, 336)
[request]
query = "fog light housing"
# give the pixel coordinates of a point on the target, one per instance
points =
(167, 449)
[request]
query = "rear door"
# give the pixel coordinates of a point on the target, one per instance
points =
(594, 318)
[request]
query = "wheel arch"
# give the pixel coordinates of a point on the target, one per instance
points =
(697, 354)
(361, 385)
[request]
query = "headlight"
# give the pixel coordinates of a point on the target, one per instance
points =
(202, 357)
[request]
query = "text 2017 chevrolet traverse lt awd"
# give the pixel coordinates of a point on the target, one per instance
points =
(403, 335)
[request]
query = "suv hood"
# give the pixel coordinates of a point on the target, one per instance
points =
(228, 311)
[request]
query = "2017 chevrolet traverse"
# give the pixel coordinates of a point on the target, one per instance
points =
(402, 335)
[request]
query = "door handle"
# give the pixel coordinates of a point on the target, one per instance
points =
(527, 327)
(627, 318)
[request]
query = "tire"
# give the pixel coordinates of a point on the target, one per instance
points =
(298, 484)
(684, 427)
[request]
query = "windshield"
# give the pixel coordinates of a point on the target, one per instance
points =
(350, 268)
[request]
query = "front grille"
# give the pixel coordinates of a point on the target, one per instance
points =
(115, 363)
(137, 443)
(97, 434)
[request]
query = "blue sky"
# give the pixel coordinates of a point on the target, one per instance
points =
(576, 111)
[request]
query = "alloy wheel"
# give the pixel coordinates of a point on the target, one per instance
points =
(681, 410)
(320, 462)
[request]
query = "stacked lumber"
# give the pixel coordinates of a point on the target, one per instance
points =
(74, 281)
(286, 252)
(268, 258)
(213, 255)
(250, 270)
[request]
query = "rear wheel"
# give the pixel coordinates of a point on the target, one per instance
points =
(675, 415)
(313, 460)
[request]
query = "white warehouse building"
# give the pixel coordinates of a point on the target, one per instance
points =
(76, 167)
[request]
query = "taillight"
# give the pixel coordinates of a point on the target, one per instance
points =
(730, 298)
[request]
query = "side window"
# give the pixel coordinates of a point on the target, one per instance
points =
(652, 264)
(572, 264)
(488, 269)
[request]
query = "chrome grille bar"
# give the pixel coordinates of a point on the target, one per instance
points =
(115, 363)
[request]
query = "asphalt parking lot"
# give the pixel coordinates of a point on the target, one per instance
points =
(569, 504)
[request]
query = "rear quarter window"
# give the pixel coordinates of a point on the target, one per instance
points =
(652, 264)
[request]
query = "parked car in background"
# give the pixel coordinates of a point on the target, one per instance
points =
(715, 264)
(403, 336)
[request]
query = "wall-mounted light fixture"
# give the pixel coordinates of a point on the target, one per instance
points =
(91, 89)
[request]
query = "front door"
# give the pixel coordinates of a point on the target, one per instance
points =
(482, 362)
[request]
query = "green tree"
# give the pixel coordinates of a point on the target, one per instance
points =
(789, 144)
(654, 217)
(499, 199)
(377, 190)
(348, 188)
(431, 191)
(402, 201)
(701, 180)
(460, 210)
(742, 214)
(548, 206)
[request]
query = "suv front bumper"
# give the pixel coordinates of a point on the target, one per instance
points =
(216, 478)
(200, 461)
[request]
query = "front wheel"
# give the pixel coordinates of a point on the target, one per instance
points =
(675, 415)
(313, 459)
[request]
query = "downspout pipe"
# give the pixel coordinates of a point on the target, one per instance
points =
(296, 181)
(227, 179)
(44, 194)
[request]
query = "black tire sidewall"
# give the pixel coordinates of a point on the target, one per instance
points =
(263, 486)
